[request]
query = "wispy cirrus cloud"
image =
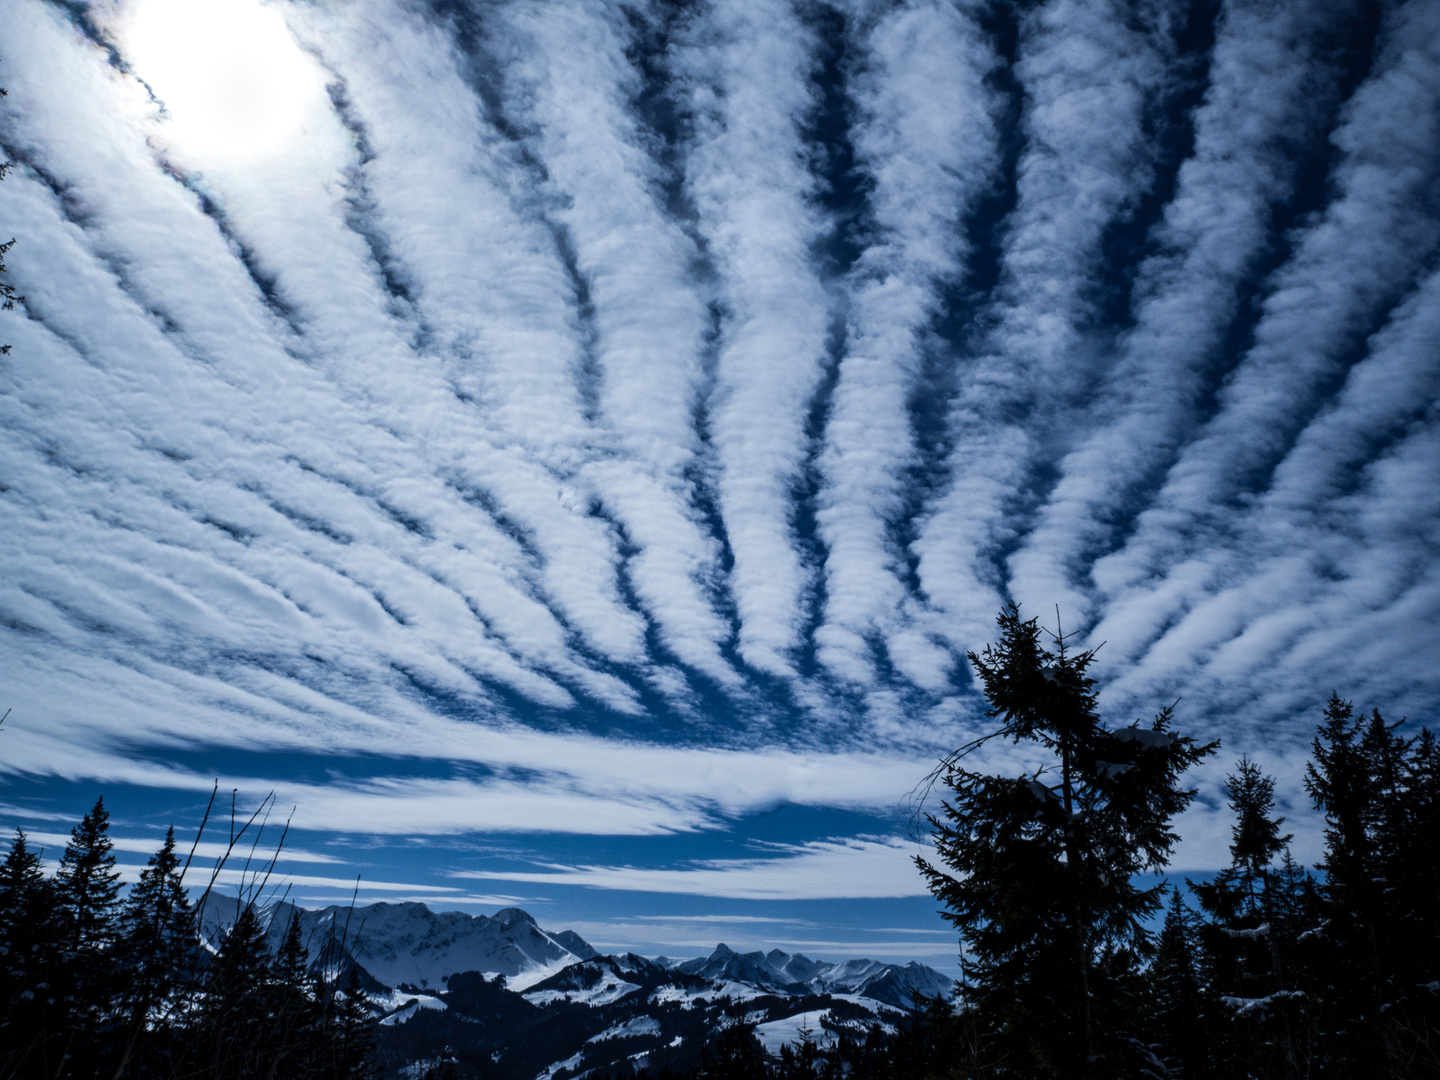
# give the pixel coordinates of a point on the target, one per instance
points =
(927, 140)
(1089, 74)
(645, 407)
(861, 867)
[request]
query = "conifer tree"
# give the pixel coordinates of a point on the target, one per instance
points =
(156, 955)
(231, 1032)
(1381, 922)
(1040, 869)
(87, 885)
(1179, 1019)
(34, 1013)
(87, 888)
(352, 1038)
(1250, 933)
(295, 1018)
(733, 1054)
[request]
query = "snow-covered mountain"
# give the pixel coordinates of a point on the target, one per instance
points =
(409, 945)
(562, 1009)
(781, 972)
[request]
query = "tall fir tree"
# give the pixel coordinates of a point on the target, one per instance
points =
(36, 1013)
(1180, 1022)
(87, 896)
(1249, 936)
(157, 955)
(1039, 870)
(295, 1017)
(231, 1034)
(1381, 921)
(351, 1049)
(87, 885)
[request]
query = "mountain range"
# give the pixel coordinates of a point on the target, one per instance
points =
(499, 997)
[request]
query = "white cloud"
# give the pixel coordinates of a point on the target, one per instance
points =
(823, 869)
(745, 69)
(927, 138)
(1260, 103)
(1089, 74)
(475, 441)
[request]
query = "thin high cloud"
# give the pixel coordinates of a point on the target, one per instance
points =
(564, 404)
(825, 869)
(926, 138)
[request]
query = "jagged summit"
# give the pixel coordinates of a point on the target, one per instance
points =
(546, 1003)
(511, 915)
(406, 945)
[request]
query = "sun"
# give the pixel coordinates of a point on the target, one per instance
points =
(234, 83)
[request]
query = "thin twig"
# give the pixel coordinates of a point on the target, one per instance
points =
(201, 832)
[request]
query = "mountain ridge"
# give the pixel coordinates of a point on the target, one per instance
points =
(520, 1001)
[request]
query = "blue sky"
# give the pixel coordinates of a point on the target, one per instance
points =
(565, 450)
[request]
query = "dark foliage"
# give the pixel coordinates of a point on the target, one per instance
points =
(1039, 870)
(1264, 971)
(93, 986)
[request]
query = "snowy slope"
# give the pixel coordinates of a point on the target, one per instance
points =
(781, 972)
(409, 945)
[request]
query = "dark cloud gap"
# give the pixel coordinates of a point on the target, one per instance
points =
(305, 521)
(957, 328)
(362, 208)
(1169, 133)
(266, 283)
(699, 473)
(298, 767)
(659, 111)
(379, 597)
(589, 377)
(367, 495)
(78, 14)
(805, 493)
(513, 530)
(844, 188)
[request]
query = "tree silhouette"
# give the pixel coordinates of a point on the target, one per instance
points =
(1040, 868)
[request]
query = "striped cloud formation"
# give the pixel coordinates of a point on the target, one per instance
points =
(621, 417)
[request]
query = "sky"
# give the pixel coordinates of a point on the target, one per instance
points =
(565, 450)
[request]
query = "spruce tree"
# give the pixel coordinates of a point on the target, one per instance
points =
(1179, 1019)
(1039, 869)
(157, 958)
(352, 1034)
(231, 1032)
(87, 888)
(296, 1020)
(1381, 919)
(1250, 932)
(35, 1014)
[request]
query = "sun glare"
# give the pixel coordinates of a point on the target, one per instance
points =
(233, 80)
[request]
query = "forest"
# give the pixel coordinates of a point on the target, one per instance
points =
(1071, 967)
